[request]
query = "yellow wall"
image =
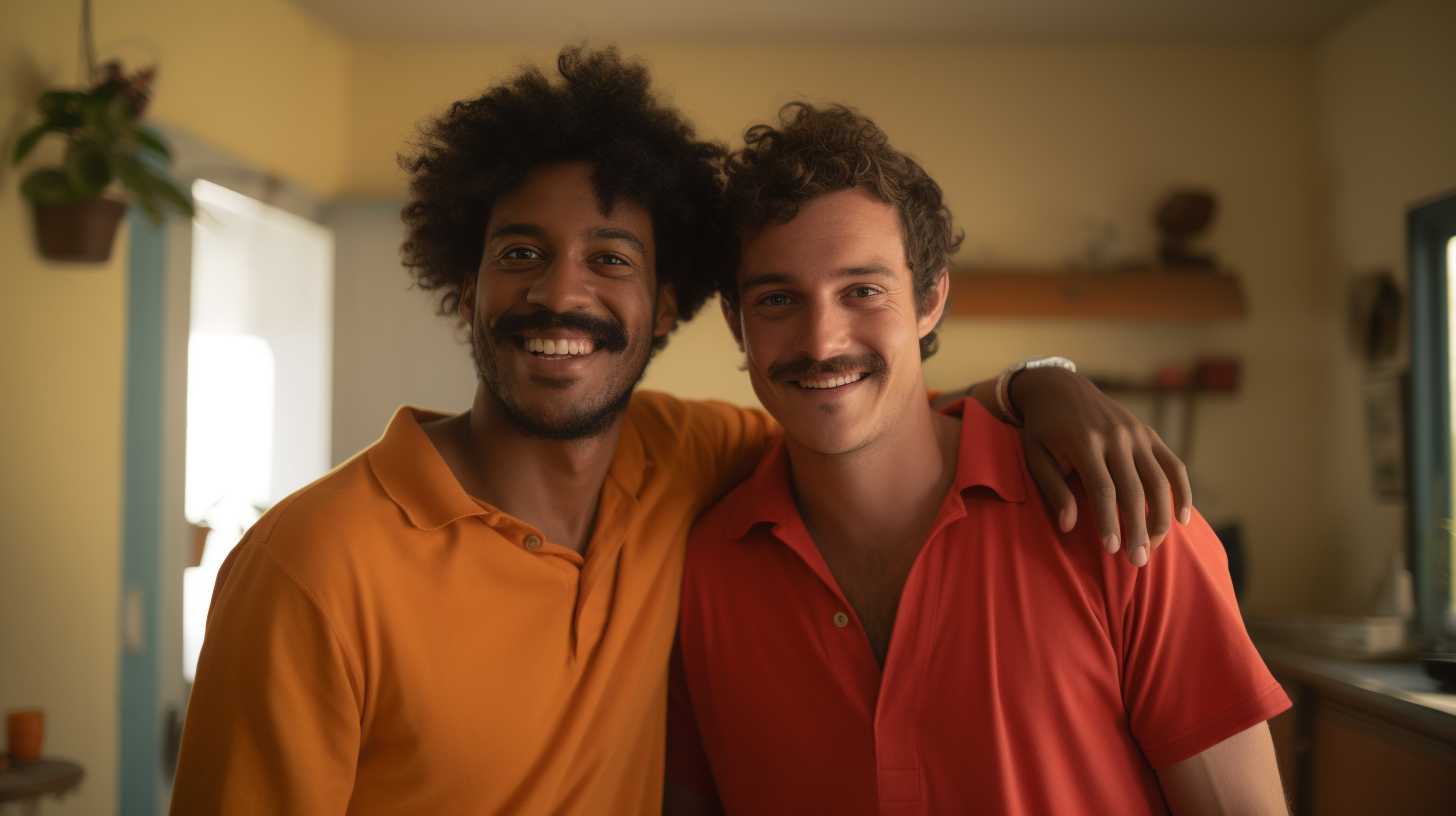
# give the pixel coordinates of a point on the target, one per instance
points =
(1031, 145)
(259, 79)
(1387, 91)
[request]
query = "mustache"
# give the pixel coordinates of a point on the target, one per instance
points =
(805, 368)
(608, 334)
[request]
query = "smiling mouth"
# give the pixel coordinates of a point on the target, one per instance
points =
(558, 349)
(836, 381)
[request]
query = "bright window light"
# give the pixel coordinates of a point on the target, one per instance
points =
(259, 374)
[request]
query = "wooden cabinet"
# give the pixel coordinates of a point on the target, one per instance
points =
(1355, 749)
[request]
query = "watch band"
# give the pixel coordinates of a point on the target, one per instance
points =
(1003, 383)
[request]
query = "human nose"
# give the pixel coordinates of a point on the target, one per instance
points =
(823, 331)
(561, 286)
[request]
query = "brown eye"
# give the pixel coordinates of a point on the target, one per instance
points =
(521, 254)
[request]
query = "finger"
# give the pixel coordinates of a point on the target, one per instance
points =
(1102, 492)
(1177, 475)
(1159, 498)
(1053, 485)
(1130, 499)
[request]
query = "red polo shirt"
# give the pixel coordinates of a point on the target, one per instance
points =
(1029, 671)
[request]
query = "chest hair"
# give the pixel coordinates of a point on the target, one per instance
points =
(872, 578)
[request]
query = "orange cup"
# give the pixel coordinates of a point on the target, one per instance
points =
(23, 731)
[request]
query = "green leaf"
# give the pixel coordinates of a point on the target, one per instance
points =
(49, 187)
(173, 196)
(151, 141)
(27, 143)
(105, 113)
(151, 192)
(88, 166)
(64, 120)
(61, 109)
(52, 102)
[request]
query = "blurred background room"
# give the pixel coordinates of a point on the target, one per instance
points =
(1211, 206)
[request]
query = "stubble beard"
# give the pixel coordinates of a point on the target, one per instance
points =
(590, 419)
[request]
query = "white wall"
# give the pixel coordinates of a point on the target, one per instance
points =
(389, 346)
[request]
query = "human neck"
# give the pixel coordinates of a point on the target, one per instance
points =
(550, 484)
(885, 494)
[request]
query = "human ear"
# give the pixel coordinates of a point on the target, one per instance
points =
(731, 315)
(666, 317)
(466, 307)
(935, 302)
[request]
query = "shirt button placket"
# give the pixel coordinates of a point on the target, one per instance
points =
(533, 542)
(841, 620)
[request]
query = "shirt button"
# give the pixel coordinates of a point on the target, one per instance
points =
(841, 620)
(532, 542)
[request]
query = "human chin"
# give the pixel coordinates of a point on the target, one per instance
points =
(826, 423)
(578, 406)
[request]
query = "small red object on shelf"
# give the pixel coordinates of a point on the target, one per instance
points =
(1218, 374)
(1171, 377)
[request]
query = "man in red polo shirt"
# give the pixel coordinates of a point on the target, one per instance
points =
(884, 619)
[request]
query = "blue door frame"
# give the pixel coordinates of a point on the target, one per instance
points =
(141, 567)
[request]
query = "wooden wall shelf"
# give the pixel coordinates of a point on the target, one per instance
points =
(1158, 294)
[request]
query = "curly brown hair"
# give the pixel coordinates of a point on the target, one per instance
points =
(602, 111)
(814, 151)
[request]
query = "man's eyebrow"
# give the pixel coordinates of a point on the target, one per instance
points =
(518, 230)
(612, 234)
(773, 278)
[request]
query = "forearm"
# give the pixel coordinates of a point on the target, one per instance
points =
(1237, 777)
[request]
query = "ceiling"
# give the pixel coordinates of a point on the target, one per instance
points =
(696, 21)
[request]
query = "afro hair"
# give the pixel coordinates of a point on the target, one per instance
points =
(603, 111)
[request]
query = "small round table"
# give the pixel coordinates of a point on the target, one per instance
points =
(26, 783)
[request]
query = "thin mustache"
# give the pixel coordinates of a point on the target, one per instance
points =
(806, 367)
(611, 336)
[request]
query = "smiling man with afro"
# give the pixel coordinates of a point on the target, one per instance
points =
(602, 112)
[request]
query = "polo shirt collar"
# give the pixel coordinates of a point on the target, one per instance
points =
(990, 456)
(417, 479)
(415, 476)
(990, 453)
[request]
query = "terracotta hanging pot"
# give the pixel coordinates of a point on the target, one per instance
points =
(83, 231)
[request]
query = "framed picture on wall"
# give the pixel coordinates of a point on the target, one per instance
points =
(1385, 400)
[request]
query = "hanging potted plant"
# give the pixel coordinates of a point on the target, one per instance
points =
(79, 204)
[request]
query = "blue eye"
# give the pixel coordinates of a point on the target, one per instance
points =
(775, 300)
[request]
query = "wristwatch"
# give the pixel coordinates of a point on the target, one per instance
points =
(1003, 383)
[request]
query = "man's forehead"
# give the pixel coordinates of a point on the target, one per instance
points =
(562, 195)
(841, 234)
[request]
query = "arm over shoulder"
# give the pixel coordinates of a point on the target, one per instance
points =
(273, 723)
(719, 443)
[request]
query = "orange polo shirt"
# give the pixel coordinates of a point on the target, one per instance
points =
(381, 642)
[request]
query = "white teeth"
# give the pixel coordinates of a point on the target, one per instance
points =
(558, 348)
(833, 382)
